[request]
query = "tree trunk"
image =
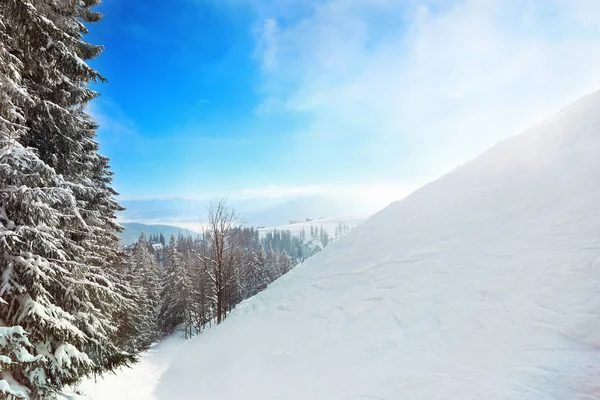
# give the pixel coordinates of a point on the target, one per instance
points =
(219, 306)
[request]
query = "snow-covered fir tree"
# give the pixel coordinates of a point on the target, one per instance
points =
(198, 310)
(56, 78)
(285, 263)
(176, 294)
(62, 279)
(18, 167)
(130, 318)
(272, 264)
(45, 288)
(256, 277)
(145, 279)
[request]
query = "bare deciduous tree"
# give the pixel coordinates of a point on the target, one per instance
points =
(222, 253)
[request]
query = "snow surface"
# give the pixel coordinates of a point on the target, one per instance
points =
(136, 383)
(484, 284)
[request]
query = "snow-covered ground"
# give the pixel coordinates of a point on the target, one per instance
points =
(136, 383)
(484, 284)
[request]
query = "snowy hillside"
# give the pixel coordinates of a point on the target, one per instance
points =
(484, 284)
(316, 206)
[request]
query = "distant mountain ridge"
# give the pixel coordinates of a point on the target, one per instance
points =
(133, 230)
(256, 212)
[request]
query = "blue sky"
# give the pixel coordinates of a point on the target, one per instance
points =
(181, 97)
(353, 97)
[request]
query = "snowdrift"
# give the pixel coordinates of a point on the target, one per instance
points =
(484, 284)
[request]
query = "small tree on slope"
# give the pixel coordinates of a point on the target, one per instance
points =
(256, 277)
(221, 257)
(176, 294)
(145, 279)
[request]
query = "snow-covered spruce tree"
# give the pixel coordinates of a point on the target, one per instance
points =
(145, 279)
(56, 76)
(129, 320)
(176, 294)
(53, 53)
(285, 263)
(44, 288)
(58, 243)
(198, 306)
(15, 348)
(256, 277)
(272, 264)
(45, 291)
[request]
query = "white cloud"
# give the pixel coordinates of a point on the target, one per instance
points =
(267, 45)
(437, 81)
(586, 12)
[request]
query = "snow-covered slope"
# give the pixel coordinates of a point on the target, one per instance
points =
(484, 284)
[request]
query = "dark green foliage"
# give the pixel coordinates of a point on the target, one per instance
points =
(63, 275)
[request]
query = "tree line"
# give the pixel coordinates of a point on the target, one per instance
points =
(275, 240)
(202, 279)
